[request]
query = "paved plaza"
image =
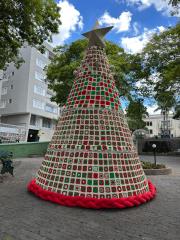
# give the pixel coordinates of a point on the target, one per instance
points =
(26, 217)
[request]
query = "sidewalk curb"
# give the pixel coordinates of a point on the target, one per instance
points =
(161, 171)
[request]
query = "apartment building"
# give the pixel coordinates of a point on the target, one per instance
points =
(25, 97)
(155, 123)
(1, 78)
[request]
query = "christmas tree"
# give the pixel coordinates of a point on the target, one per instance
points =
(91, 161)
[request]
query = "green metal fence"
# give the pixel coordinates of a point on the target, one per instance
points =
(27, 149)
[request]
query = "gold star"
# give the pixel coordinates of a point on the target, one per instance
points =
(96, 35)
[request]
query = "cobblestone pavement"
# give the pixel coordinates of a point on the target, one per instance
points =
(25, 217)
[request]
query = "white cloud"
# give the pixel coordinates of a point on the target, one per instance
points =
(71, 20)
(122, 23)
(159, 5)
(137, 43)
(161, 29)
(136, 27)
(151, 110)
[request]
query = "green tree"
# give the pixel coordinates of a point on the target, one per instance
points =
(176, 5)
(177, 112)
(136, 111)
(68, 58)
(161, 67)
(24, 21)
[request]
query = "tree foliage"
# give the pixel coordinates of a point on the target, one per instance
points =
(174, 2)
(176, 5)
(153, 73)
(177, 112)
(136, 111)
(27, 21)
(160, 66)
(68, 58)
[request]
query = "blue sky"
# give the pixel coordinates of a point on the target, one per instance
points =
(134, 21)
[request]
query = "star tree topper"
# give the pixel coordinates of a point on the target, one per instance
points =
(96, 35)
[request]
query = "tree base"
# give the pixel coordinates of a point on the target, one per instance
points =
(78, 201)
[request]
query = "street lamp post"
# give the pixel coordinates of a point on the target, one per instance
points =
(154, 151)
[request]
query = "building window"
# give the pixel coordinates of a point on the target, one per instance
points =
(51, 56)
(2, 103)
(33, 120)
(39, 90)
(151, 131)
(46, 53)
(1, 75)
(39, 76)
(148, 123)
(38, 104)
(40, 63)
(165, 124)
(46, 123)
(49, 95)
(5, 78)
(4, 91)
(10, 100)
(11, 86)
(51, 109)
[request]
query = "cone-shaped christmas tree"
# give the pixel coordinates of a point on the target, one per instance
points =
(91, 161)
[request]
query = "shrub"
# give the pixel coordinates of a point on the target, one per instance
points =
(149, 165)
(6, 160)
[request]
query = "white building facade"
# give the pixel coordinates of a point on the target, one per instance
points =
(154, 124)
(25, 97)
